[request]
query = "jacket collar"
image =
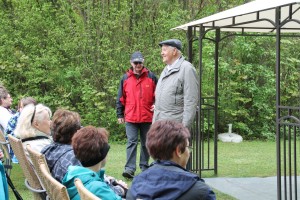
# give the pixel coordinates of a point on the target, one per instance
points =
(175, 68)
(131, 73)
(163, 180)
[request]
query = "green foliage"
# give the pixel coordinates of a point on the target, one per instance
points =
(72, 54)
(247, 83)
(247, 89)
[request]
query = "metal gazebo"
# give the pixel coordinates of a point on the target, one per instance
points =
(279, 18)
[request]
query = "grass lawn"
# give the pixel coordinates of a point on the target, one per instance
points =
(246, 159)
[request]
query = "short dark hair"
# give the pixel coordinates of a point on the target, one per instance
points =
(164, 136)
(64, 125)
(90, 145)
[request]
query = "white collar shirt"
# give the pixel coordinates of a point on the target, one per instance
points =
(173, 64)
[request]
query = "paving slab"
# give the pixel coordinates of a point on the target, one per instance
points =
(248, 188)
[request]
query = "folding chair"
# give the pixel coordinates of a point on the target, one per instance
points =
(84, 193)
(31, 179)
(55, 189)
(7, 164)
(37, 157)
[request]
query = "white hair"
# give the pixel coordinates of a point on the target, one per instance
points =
(24, 127)
(178, 51)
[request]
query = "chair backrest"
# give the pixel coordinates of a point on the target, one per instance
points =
(5, 149)
(84, 193)
(31, 180)
(37, 157)
(55, 189)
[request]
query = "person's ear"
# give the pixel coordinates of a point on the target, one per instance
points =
(174, 51)
(35, 123)
(178, 152)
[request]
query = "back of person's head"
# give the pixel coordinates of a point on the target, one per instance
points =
(31, 114)
(64, 125)
(26, 101)
(90, 145)
(3, 93)
(164, 136)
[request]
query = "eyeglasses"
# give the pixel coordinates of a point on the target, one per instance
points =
(190, 148)
(136, 63)
(33, 114)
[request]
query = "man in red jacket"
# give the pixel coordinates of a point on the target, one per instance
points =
(135, 105)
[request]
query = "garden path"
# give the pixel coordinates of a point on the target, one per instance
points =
(248, 188)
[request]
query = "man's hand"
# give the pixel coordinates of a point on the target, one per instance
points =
(122, 183)
(152, 107)
(1, 154)
(121, 120)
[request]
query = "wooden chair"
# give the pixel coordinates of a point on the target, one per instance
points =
(5, 149)
(55, 189)
(84, 193)
(32, 181)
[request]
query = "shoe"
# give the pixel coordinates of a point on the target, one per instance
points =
(128, 174)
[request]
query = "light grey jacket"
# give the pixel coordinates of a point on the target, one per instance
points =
(176, 94)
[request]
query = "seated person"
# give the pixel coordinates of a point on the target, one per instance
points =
(33, 127)
(90, 146)
(168, 144)
(12, 123)
(4, 195)
(60, 155)
(5, 112)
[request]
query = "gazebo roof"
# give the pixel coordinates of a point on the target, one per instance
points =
(255, 16)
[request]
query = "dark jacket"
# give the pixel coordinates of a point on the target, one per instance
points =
(59, 157)
(168, 181)
(136, 96)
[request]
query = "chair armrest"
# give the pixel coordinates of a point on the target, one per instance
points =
(4, 142)
(33, 189)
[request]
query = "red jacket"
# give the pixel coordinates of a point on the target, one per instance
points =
(136, 96)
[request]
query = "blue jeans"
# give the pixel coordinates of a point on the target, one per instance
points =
(132, 132)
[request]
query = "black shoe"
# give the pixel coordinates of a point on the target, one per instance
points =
(128, 174)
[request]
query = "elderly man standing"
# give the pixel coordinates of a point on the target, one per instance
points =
(176, 94)
(135, 102)
(5, 112)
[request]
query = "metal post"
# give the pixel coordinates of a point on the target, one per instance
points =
(190, 43)
(278, 150)
(216, 100)
(189, 35)
(202, 33)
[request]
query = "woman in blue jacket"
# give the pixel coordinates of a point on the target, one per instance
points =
(90, 146)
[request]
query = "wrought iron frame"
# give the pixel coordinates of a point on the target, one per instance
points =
(287, 117)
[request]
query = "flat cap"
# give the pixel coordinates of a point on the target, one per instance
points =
(173, 43)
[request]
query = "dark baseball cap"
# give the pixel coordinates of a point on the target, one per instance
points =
(137, 57)
(173, 43)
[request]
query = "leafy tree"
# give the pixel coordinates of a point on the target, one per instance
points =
(72, 54)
